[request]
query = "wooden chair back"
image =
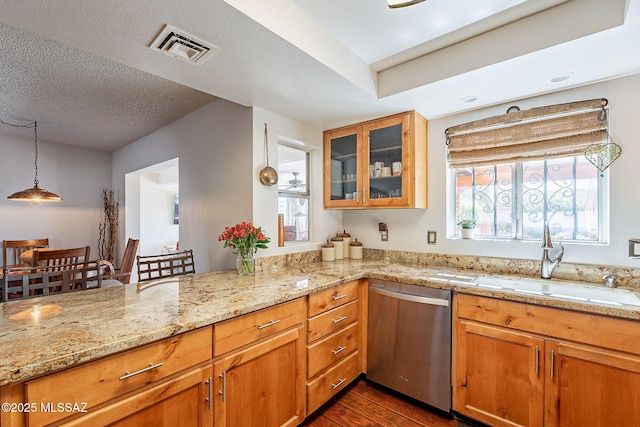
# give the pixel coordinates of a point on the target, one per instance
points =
(12, 249)
(152, 267)
(123, 273)
(60, 259)
(30, 282)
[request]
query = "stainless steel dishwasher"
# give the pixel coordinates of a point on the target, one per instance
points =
(409, 341)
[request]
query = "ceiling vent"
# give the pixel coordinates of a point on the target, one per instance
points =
(184, 46)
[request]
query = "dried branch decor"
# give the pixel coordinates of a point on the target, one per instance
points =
(108, 227)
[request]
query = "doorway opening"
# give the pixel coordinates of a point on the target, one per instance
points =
(152, 213)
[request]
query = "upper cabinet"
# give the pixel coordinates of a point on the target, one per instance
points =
(377, 164)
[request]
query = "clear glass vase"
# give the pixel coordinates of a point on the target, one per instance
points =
(244, 263)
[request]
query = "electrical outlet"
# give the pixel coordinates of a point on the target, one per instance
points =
(384, 236)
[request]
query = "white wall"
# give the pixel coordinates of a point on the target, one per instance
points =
(78, 175)
(214, 147)
(265, 199)
(157, 230)
(408, 228)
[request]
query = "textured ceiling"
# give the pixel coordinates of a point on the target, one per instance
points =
(79, 98)
(84, 70)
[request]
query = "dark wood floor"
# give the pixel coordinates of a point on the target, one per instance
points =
(365, 404)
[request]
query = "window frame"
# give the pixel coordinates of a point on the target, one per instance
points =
(306, 194)
(604, 192)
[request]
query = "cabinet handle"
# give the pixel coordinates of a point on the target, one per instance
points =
(335, 386)
(339, 319)
(552, 363)
(339, 350)
(537, 359)
(223, 392)
(357, 193)
(337, 297)
(266, 325)
(364, 196)
(209, 399)
(148, 368)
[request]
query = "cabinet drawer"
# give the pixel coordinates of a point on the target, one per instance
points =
(237, 332)
(104, 379)
(332, 320)
(330, 298)
(335, 379)
(331, 349)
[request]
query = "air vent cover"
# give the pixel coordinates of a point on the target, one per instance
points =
(184, 46)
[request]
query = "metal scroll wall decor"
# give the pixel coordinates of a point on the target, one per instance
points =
(602, 155)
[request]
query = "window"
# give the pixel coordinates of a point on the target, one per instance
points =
(293, 192)
(514, 200)
(513, 172)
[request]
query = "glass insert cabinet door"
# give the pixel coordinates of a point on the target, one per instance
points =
(343, 178)
(386, 163)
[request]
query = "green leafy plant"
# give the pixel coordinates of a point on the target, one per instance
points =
(467, 223)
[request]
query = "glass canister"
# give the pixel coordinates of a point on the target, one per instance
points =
(339, 245)
(355, 249)
(328, 252)
(346, 240)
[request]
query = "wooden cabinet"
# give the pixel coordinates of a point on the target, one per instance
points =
(143, 384)
(259, 376)
(334, 341)
(521, 364)
(381, 163)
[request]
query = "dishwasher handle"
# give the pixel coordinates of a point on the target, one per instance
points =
(409, 297)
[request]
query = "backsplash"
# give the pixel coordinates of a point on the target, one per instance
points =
(627, 277)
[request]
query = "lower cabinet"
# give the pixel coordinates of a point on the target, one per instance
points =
(181, 401)
(260, 380)
(525, 365)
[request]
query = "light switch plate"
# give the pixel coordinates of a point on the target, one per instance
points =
(431, 237)
(634, 248)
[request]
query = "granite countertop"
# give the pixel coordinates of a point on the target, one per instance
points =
(42, 335)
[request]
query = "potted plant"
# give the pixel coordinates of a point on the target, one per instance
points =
(467, 228)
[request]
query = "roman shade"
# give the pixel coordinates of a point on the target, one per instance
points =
(539, 133)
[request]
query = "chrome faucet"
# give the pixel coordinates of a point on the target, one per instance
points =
(549, 263)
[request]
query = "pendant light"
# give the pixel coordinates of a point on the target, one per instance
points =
(36, 194)
(402, 3)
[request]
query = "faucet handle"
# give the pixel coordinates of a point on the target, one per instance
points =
(609, 280)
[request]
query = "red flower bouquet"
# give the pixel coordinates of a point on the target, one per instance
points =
(247, 239)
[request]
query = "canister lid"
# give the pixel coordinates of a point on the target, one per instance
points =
(327, 245)
(337, 239)
(344, 234)
(356, 243)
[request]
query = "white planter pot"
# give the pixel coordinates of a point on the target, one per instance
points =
(467, 233)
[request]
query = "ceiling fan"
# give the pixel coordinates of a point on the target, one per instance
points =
(295, 182)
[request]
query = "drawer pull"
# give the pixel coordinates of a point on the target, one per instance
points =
(266, 325)
(337, 297)
(148, 368)
(339, 350)
(339, 319)
(335, 386)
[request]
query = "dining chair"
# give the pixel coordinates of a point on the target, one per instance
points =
(151, 267)
(60, 259)
(123, 273)
(12, 249)
(29, 282)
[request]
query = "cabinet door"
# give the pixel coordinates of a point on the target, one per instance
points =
(388, 164)
(343, 168)
(185, 400)
(262, 385)
(587, 386)
(498, 376)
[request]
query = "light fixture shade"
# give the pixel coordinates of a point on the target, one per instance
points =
(402, 3)
(35, 195)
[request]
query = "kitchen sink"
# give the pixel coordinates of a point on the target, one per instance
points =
(571, 292)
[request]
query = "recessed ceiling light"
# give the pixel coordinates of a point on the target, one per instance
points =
(468, 99)
(560, 77)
